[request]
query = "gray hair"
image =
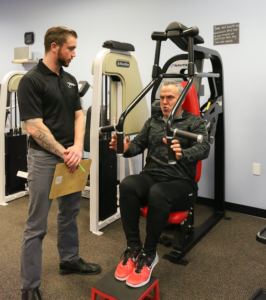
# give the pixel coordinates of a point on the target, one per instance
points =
(173, 82)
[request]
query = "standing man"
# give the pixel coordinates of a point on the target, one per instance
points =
(50, 106)
(163, 187)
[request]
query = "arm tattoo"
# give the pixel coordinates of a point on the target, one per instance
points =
(47, 142)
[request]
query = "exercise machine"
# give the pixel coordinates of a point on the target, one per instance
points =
(116, 81)
(260, 293)
(13, 145)
(187, 67)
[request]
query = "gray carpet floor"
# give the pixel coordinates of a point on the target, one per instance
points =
(227, 263)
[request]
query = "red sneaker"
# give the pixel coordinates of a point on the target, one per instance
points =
(127, 264)
(142, 272)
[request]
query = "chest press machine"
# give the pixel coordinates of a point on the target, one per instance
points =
(116, 81)
(187, 67)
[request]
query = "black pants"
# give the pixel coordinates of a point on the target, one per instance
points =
(161, 198)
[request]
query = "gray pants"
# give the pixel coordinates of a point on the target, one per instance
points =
(41, 167)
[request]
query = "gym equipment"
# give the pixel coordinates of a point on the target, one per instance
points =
(13, 148)
(261, 235)
(116, 82)
(260, 293)
(188, 67)
(186, 39)
(110, 288)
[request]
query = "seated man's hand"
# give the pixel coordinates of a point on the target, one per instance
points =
(113, 143)
(72, 157)
(176, 148)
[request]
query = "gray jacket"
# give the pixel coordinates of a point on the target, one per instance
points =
(151, 136)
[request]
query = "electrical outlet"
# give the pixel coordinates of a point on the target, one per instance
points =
(256, 169)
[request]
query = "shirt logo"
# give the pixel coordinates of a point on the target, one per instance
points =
(70, 84)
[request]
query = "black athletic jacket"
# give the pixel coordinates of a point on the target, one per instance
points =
(151, 136)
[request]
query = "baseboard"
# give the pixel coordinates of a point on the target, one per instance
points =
(243, 209)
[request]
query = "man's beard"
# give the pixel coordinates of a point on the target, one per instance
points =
(61, 61)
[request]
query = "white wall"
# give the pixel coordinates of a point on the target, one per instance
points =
(133, 21)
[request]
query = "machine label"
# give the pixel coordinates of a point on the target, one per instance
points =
(122, 64)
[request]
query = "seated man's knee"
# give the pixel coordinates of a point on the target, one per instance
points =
(157, 197)
(124, 185)
(128, 185)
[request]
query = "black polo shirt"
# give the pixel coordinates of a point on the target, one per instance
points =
(43, 94)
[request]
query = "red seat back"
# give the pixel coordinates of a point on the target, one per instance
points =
(191, 104)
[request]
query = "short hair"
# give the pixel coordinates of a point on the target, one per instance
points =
(173, 82)
(58, 35)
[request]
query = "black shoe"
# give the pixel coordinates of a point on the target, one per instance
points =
(34, 294)
(80, 267)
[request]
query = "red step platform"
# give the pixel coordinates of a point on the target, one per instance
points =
(108, 288)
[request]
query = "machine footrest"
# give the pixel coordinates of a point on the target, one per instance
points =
(259, 295)
(175, 258)
(110, 288)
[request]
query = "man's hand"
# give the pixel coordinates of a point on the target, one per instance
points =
(176, 148)
(113, 143)
(72, 169)
(72, 157)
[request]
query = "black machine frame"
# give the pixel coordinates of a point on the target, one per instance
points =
(187, 39)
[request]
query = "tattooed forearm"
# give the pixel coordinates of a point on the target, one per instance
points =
(32, 122)
(48, 142)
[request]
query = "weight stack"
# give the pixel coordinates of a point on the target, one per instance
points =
(107, 180)
(15, 160)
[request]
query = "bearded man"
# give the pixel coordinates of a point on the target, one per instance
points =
(49, 104)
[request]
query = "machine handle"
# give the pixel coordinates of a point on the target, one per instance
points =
(106, 129)
(180, 134)
(120, 144)
(171, 153)
(192, 31)
(188, 135)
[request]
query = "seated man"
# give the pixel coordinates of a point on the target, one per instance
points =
(163, 187)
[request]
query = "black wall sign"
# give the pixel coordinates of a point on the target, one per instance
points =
(226, 34)
(123, 64)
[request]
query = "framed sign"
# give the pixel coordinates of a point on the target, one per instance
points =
(226, 34)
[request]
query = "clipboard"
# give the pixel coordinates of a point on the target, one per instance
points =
(65, 183)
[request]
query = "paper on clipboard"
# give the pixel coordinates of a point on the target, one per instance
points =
(65, 183)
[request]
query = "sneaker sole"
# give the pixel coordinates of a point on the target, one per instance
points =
(156, 260)
(68, 272)
(121, 279)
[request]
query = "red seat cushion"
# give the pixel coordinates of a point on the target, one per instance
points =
(174, 218)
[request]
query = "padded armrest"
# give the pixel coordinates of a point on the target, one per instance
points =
(175, 27)
(118, 46)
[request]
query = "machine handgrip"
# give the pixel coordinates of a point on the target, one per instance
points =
(192, 31)
(188, 135)
(106, 129)
(120, 144)
(171, 153)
